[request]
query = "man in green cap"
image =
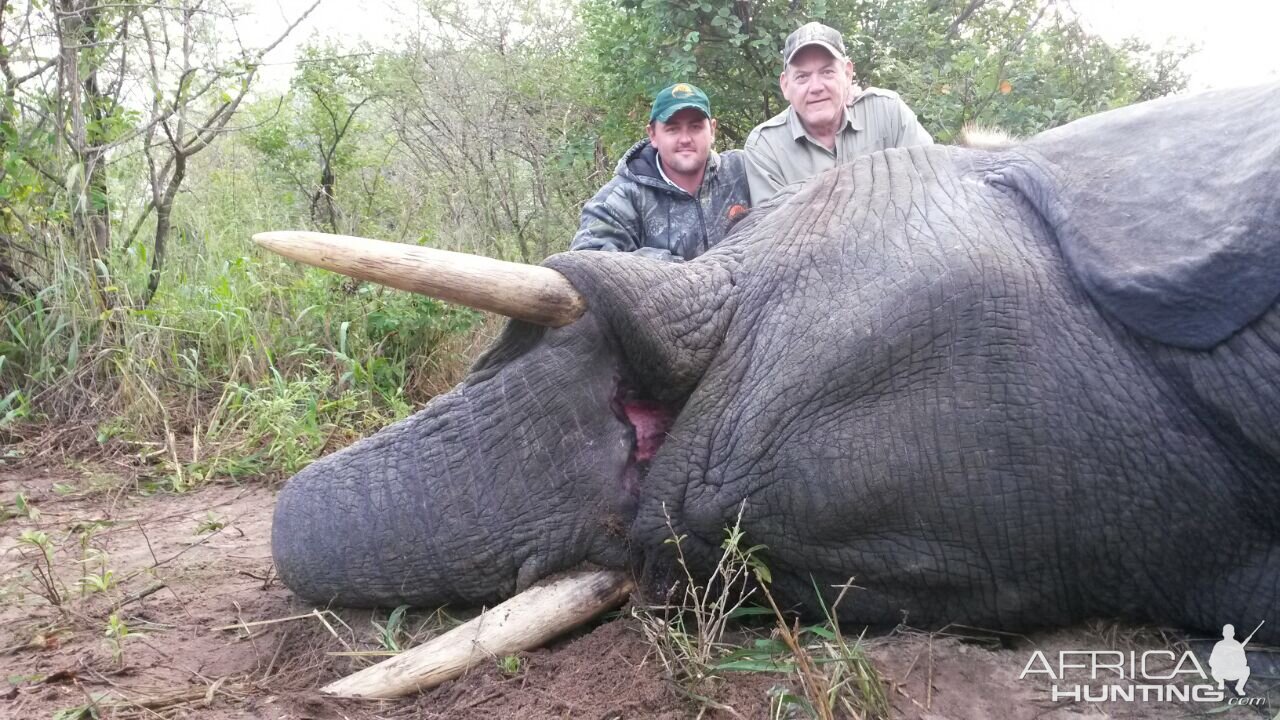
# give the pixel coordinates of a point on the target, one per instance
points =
(672, 197)
(829, 120)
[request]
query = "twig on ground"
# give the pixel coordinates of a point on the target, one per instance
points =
(149, 590)
(266, 577)
(284, 637)
(192, 546)
(704, 701)
(259, 623)
(153, 704)
(142, 529)
(928, 691)
(249, 636)
(898, 689)
(480, 700)
(329, 627)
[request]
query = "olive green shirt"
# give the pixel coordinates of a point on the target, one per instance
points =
(779, 151)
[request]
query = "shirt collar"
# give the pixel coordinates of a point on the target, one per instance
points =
(663, 173)
(713, 159)
(851, 122)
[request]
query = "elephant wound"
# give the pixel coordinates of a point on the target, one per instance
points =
(649, 421)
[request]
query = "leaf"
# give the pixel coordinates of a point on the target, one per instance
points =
(821, 632)
(750, 611)
(769, 665)
(83, 712)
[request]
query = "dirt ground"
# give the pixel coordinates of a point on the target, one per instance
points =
(205, 631)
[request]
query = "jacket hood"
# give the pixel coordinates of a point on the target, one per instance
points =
(640, 165)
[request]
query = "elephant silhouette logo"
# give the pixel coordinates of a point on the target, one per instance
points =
(1228, 662)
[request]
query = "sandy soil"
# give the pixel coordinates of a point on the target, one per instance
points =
(192, 574)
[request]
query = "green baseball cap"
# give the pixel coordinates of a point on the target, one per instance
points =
(676, 98)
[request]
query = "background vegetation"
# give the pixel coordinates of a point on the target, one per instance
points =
(138, 154)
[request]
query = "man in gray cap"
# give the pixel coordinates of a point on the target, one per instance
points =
(672, 197)
(829, 120)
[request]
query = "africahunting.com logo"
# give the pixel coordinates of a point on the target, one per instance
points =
(1095, 676)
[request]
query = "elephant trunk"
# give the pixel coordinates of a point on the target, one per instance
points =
(394, 519)
(441, 509)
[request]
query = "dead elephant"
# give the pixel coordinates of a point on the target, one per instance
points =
(1007, 389)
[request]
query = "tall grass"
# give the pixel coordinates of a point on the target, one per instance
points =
(243, 364)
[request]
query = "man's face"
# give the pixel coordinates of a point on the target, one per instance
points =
(816, 83)
(684, 140)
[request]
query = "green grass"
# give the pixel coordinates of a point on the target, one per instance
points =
(243, 365)
(699, 640)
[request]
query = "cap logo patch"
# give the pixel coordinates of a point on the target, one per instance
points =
(681, 91)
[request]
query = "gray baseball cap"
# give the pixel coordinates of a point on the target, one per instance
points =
(814, 33)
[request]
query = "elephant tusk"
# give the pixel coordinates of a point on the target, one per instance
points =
(532, 293)
(526, 621)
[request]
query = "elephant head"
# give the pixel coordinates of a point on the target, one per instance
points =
(1007, 389)
(534, 463)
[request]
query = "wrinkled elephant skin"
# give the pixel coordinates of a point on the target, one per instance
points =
(1007, 389)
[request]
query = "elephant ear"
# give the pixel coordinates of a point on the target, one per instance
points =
(1167, 212)
(668, 318)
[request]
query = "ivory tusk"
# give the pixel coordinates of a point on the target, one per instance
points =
(526, 621)
(532, 293)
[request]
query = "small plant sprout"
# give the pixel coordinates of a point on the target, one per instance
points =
(210, 523)
(510, 664)
(36, 542)
(25, 509)
(102, 580)
(88, 711)
(116, 633)
(390, 635)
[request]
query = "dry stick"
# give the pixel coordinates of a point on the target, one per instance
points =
(248, 636)
(320, 616)
(928, 686)
(194, 545)
(172, 557)
(149, 590)
(266, 674)
(142, 529)
(204, 696)
(525, 621)
(903, 693)
(814, 683)
(256, 623)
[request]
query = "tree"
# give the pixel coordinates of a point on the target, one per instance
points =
(1024, 65)
(491, 106)
(21, 183)
(192, 104)
(90, 114)
(732, 50)
(89, 70)
(335, 85)
(311, 137)
(1021, 65)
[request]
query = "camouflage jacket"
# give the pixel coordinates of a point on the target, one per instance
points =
(639, 211)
